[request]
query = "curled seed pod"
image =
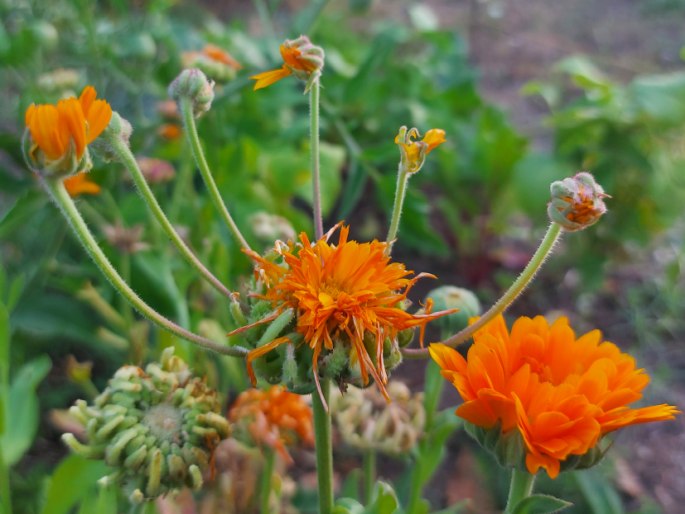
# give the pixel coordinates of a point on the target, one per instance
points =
(157, 427)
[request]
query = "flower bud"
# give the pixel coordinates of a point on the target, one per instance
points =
(194, 85)
(577, 202)
(158, 428)
(452, 297)
(118, 128)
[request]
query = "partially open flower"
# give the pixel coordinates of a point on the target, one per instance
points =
(367, 422)
(543, 394)
(213, 61)
(414, 152)
(158, 428)
(300, 58)
(577, 202)
(61, 133)
(275, 418)
(346, 302)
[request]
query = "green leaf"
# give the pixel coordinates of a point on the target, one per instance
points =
(384, 500)
(661, 96)
(583, 72)
(22, 415)
(4, 363)
(598, 492)
(71, 482)
(540, 504)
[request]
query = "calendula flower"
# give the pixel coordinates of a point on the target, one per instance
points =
(414, 152)
(274, 418)
(300, 58)
(60, 133)
(577, 202)
(80, 184)
(215, 62)
(561, 394)
(347, 300)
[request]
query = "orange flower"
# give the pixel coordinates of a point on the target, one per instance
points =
(217, 54)
(79, 184)
(170, 131)
(70, 125)
(300, 57)
(275, 418)
(340, 294)
(561, 393)
(414, 152)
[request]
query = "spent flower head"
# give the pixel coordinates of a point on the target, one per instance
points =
(577, 202)
(300, 58)
(157, 427)
(274, 417)
(414, 152)
(366, 421)
(60, 134)
(541, 396)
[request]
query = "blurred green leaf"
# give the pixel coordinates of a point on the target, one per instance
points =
(661, 96)
(22, 414)
(598, 492)
(540, 504)
(72, 481)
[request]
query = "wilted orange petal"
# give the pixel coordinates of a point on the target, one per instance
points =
(269, 77)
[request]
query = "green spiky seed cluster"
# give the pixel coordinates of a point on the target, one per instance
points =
(157, 427)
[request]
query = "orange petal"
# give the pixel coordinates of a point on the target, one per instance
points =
(269, 77)
(80, 185)
(73, 122)
(98, 118)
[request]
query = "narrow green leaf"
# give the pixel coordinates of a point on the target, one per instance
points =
(598, 492)
(540, 504)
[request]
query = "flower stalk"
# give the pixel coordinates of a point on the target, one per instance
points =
(124, 154)
(58, 193)
(266, 482)
(369, 473)
(324, 447)
(400, 193)
(521, 487)
(186, 105)
(315, 160)
(539, 257)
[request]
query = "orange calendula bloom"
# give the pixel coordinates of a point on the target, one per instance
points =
(340, 294)
(561, 393)
(70, 125)
(275, 418)
(79, 184)
(300, 57)
(414, 152)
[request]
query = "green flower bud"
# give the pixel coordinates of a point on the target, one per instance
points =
(452, 297)
(194, 85)
(158, 428)
(577, 202)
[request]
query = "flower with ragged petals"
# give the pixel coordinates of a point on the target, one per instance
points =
(348, 308)
(540, 387)
(61, 133)
(80, 184)
(414, 152)
(300, 58)
(275, 418)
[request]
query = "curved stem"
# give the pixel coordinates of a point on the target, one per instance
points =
(314, 149)
(129, 161)
(521, 487)
(369, 468)
(191, 132)
(400, 193)
(59, 194)
(324, 448)
(265, 486)
(544, 250)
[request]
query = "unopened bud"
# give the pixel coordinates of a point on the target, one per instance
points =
(194, 85)
(118, 128)
(577, 202)
(452, 297)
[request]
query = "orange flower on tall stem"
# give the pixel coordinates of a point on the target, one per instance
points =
(300, 58)
(561, 393)
(340, 294)
(274, 417)
(69, 126)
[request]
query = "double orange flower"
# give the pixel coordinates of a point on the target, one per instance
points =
(561, 393)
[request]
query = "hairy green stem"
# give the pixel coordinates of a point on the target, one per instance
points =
(193, 138)
(521, 487)
(266, 481)
(56, 189)
(315, 161)
(544, 250)
(369, 470)
(324, 447)
(129, 161)
(400, 193)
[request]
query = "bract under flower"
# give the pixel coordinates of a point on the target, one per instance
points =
(561, 393)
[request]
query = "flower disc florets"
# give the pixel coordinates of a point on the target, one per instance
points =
(577, 202)
(338, 311)
(157, 427)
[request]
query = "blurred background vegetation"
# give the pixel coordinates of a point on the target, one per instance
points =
(527, 91)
